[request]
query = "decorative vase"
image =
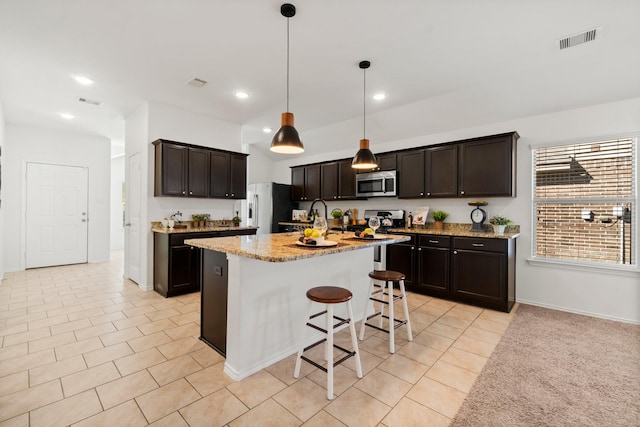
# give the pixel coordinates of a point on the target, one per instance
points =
(499, 229)
(438, 225)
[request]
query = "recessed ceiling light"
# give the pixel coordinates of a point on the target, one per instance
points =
(267, 130)
(85, 81)
(196, 82)
(379, 96)
(242, 94)
(67, 116)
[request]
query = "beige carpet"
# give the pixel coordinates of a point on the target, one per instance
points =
(553, 368)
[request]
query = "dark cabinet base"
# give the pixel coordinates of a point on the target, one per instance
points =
(213, 309)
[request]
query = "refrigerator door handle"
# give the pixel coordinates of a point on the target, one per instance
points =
(257, 209)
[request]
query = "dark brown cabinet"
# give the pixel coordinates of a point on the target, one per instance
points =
(338, 180)
(441, 171)
(183, 170)
(176, 266)
(411, 174)
(228, 179)
(483, 272)
(433, 264)
(487, 166)
(477, 271)
(387, 162)
(305, 182)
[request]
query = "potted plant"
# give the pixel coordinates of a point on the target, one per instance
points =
(438, 218)
(206, 220)
(196, 220)
(236, 220)
(499, 223)
(337, 215)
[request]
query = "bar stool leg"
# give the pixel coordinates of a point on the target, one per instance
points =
(354, 341)
(366, 307)
(330, 351)
(296, 372)
(406, 311)
(392, 325)
(382, 304)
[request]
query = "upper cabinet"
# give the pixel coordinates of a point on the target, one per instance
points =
(479, 167)
(305, 182)
(487, 166)
(183, 170)
(338, 180)
(387, 162)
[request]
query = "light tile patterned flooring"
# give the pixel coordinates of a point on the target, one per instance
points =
(81, 346)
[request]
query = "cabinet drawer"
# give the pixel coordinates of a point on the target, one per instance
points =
(411, 242)
(480, 244)
(435, 241)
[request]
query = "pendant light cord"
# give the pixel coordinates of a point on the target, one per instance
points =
(364, 103)
(288, 64)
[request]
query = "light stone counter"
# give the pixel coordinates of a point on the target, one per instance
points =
(282, 247)
(461, 230)
(156, 227)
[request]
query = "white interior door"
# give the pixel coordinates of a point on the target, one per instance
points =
(56, 215)
(132, 206)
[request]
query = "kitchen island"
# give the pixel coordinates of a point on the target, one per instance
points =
(266, 279)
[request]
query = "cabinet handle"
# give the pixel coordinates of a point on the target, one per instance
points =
(413, 248)
(434, 241)
(455, 252)
(462, 192)
(420, 249)
(184, 192)
(190, 192)
(421, 193)
(226, 194)
(428, 194)
(233, 194)
(478, 245)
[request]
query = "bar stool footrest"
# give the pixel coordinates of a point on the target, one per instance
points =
(348, 354)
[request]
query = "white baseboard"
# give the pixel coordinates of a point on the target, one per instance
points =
(586, 313)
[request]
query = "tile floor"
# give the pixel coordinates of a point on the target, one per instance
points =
(81, 346)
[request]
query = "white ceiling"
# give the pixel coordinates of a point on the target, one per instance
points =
(443, 64)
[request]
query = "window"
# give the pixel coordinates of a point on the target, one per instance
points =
(584, 202)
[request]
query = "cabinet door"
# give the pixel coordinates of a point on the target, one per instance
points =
(480, 277)
(401, 258)
(312, 182)
(433, 270)
(329, 178)
(174, 164)
(411, 174)
(487, 167)
(387, 162)
(219, 184)
(238, 177)
(441, 171)
(346, 180)
(297, 183)
(183, 260)
(198, 172)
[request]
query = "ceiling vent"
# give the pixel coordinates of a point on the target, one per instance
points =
(576, 39)
(196, 82)
(89, 101)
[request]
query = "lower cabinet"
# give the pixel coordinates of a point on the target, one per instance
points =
(477, 271)
(176, 266)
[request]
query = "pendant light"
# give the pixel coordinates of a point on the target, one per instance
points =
(364, 158)
(286, 140)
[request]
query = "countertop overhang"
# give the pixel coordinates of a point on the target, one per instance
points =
(190, 229)
(282, 247)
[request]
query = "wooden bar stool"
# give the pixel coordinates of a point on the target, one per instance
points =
(377, 294)
(329, 295)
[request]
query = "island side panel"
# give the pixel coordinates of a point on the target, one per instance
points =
(267, 304)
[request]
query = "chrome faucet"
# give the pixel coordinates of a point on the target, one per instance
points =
(325, 208)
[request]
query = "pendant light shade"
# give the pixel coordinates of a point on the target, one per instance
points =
(287, 140)
(364, 158)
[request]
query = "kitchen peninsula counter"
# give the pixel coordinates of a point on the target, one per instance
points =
(461, 230)
(263, 279)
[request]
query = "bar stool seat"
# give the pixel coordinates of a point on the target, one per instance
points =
(329, 296)
(377, 294)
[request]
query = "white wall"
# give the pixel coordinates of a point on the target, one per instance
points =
(117, 178)
(598, 293)
(2, 175)
(30, 144)
(157, 121)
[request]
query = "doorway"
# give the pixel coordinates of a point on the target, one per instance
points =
(56, 215)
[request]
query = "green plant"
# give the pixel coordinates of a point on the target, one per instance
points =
(499, 220)
(439, 215)
(196, 217)
(236, 219)
(336, 213)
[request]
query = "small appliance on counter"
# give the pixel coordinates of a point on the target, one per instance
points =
(389, 218)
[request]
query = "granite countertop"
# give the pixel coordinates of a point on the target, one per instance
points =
(282, 247)
(461, 230)
(156, 227)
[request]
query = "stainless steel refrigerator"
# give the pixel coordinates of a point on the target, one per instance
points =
(267, 204)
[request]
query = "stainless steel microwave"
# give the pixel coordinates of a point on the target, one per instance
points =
(376, 184)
